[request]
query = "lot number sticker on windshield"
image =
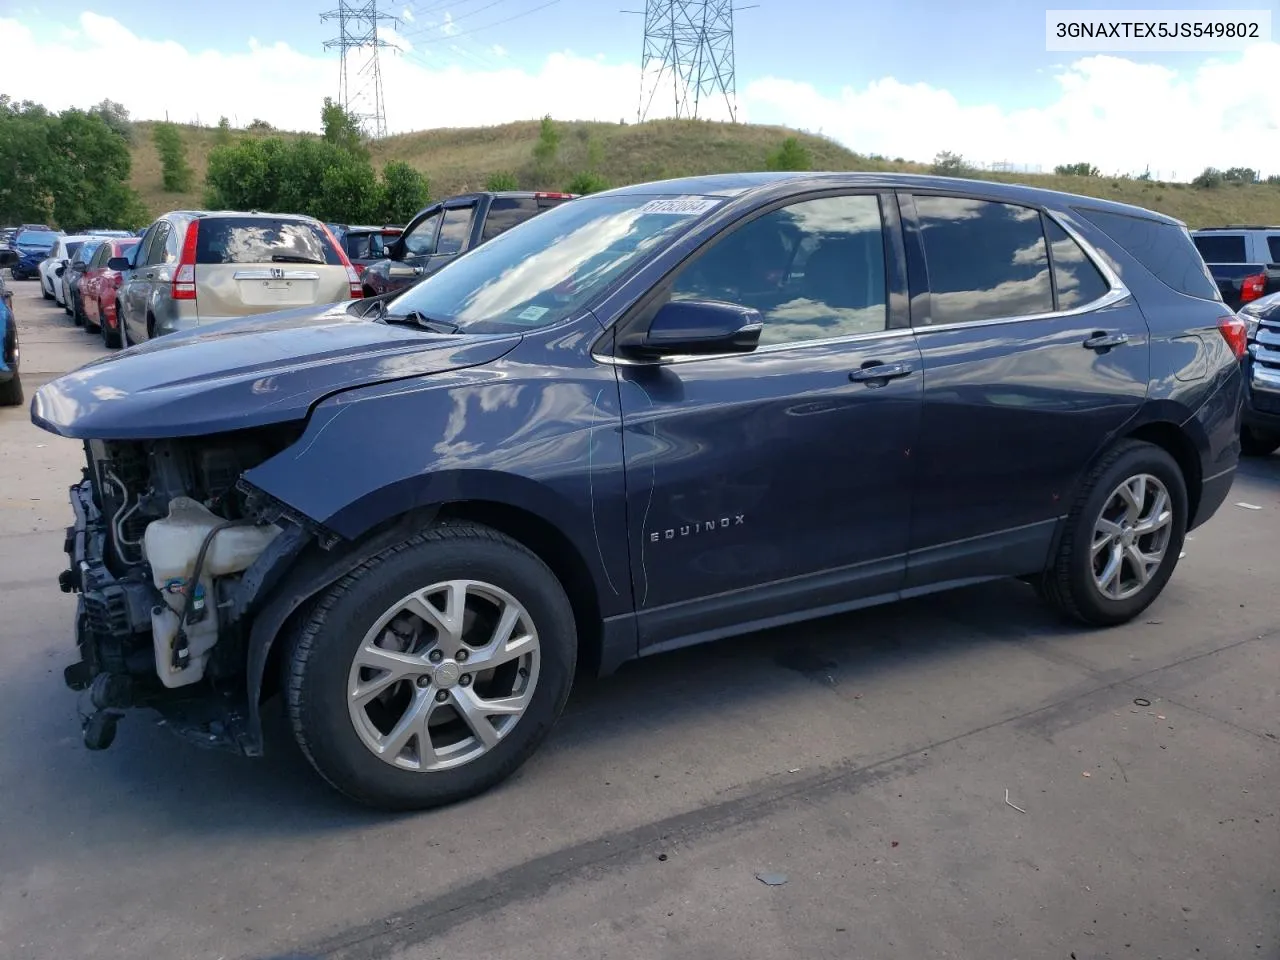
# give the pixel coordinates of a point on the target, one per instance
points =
(531, 314)
(681, 206)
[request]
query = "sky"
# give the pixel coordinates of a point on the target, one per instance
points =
(903, 79)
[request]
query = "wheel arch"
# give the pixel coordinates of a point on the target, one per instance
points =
(1176, 442)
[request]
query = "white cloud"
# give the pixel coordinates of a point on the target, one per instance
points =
(1115, 113)
(447, 26)
(406, 15)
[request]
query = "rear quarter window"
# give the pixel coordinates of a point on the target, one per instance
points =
(263, 240)
(1220, 247)
(1165, 249)
(505, 213)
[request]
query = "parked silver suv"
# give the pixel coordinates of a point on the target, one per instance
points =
(193, 268)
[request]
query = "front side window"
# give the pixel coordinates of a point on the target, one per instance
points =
(421, 240)
(985, 260)
(813, 270)
(454, 229)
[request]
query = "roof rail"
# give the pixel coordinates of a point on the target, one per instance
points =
(1242, 226)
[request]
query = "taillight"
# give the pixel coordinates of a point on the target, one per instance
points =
(1251, 288)
(555, 196)
(1233, 331)
(353, 275)
(183, 286)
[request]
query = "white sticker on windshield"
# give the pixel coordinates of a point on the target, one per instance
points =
(531, 313)
(681, 206)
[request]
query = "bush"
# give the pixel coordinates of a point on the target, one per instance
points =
(544, 151)
(1240, 175)
(588, 181)
(1077, 170)
(790, 155)
(950, 164)
(173, 158)
(404, 192)
(342, 129)
(222, 133)
(1210, 178)
(502, 181)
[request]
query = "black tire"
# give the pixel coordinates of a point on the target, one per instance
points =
(319, 659)
(11, 392)
(76, 311)
(1258, 443)
(111, 338)
(1068, 585)
(46, 294)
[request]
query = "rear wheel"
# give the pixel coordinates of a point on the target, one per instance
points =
(432, 672)
(1258, 443)
(11, 392)
(77, 310)
(111, 339)
(1122, 538)
(45, 292)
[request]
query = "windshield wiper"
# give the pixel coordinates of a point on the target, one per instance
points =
(416, 318)
(294, 258)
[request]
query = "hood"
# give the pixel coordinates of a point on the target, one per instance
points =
(245, 373)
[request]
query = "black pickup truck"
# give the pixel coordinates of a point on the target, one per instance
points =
(446, 230)
(1244, 260)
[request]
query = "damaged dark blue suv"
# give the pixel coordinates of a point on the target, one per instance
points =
(644, 419)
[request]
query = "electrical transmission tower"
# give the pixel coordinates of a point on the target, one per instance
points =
(358, 30)
(689, 45)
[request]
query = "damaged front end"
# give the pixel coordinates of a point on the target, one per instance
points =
(169, 553)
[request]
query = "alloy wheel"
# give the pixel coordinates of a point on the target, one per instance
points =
(1131, 536)
(443, 675)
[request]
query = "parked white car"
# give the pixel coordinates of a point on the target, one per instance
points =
(63, 251)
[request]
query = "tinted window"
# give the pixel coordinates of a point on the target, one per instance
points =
(813, 269)
(505, 213)
(453, 231)
(1273, 248)
(100, 256)
(1077, 279)
(1220, 247)
(263, 240)
(155, 249)
(1165, 249)
(985, 260)
(549, 268)
(421, 241)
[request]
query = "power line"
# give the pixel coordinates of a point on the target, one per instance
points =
(489, 26)
(358, 30)
(690, 44)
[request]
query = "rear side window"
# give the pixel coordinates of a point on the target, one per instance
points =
(263, 240)
(1077, 279)
(1163, 248)
(454, 229)
(72, 248)
(985, 260)
(1273, 248)
(505, 213)
(1220, 247)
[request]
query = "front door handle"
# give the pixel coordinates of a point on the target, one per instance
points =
(875, 372)
(1101, 340)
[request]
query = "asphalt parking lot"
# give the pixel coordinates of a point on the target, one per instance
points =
(959, 776)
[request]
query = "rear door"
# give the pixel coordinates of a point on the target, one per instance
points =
(136, 295)
(256, 264)
(1034, 357)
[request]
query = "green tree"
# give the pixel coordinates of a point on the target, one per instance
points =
(588, 181)
(342, 129)
(1240, 175)
(1209, 178)
(115, 116)
(1077, 170)
(90, 176)
(404, 192)
(790, 155)
(544, 151)
(26, 156)
(173, 157)
(502, 181)
(222, 133)
(950, 164)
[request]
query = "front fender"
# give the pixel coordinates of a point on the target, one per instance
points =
(506, 433)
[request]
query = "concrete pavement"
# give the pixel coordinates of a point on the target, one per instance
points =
(864, 758)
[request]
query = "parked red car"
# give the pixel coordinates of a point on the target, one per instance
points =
(99, 291)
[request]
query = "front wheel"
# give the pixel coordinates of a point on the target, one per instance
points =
(45, 292)
(431, 672)
(11, 392)
(1122, 538)
(1258, 443)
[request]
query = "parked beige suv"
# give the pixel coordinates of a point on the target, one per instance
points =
(192, 268)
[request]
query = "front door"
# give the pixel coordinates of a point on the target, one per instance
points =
(767, 485)
(1033, 360)
(455, 230)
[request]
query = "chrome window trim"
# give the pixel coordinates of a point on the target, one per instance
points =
(766, 349)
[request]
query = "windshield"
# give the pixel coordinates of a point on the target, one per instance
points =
(37, 238)
(547, 268)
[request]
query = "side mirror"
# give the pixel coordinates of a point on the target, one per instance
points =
(61, 268)
(119, 264)
(700, 328)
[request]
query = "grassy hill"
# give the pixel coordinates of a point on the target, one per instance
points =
(456, 160)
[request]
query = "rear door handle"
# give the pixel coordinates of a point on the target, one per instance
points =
(873, 372)
(1101, 340)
